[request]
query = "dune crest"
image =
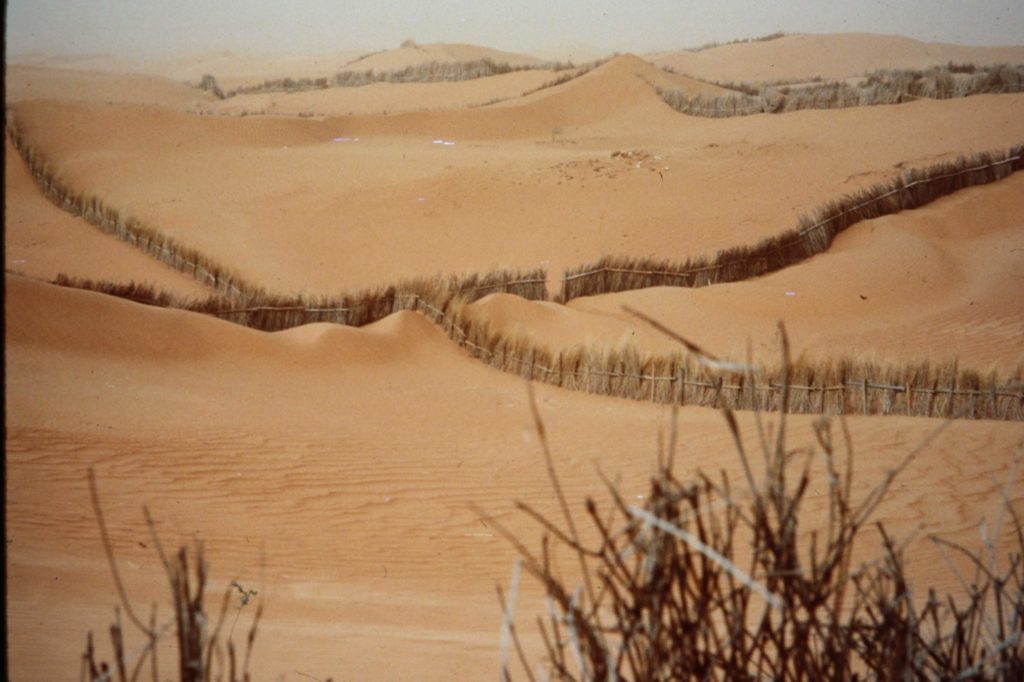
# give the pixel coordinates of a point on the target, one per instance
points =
(830, 56)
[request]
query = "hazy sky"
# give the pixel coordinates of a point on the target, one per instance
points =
(163, 27)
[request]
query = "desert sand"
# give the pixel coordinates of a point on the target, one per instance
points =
(802, 57)
(337, 470)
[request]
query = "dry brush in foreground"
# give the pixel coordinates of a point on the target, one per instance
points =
(711, 580)
(203, 651)
(705, 580)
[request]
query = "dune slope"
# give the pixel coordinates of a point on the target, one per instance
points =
(831, 56)
(349, 202)
(940, 282)
(41, 240)
(334, 469)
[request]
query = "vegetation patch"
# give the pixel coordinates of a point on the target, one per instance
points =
(813, 235)
(880, 87)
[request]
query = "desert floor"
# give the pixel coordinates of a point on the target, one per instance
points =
(340, 471)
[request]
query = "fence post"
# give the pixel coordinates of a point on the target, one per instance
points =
(865, 393)
(718, 392)
(682, 386)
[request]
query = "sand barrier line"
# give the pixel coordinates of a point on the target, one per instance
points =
(165, 249)
(499, 285)
(278, 308)
(131, 231)
(667, 273)
(922, 181)
(802, 232)
(999, 391)
(727, 105)
(165, 246)
(177, 250)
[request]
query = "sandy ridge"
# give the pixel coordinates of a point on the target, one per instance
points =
(333, 468)
(830, 57)
(329, 480)
(482, 344)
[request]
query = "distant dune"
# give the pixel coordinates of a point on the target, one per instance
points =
(830, 56)
(528, 182)
(101, 87)
(231, 70)
(413, 54)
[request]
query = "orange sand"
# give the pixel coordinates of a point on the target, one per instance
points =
(334, 469)
(830, 56)
(43, 241)
(526, 183)
(942, 282)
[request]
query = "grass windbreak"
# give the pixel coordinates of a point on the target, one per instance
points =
(880, 87)
(842, 386)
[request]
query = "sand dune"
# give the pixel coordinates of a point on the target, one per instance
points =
(504, 90)
(831, 56)
(940, 282)
(27, 82)
(333, 470)
(413, 54)
(42, 241)
(525, 185)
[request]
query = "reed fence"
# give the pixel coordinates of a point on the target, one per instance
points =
(238, 299)
(814, 234)
(878, 88)
(842, 387)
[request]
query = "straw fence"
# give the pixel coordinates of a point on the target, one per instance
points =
(242, 301)
(843, 387)
(880, 87)
(813, 235)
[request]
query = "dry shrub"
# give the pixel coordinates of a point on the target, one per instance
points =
(204, 652)
(711, 580)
